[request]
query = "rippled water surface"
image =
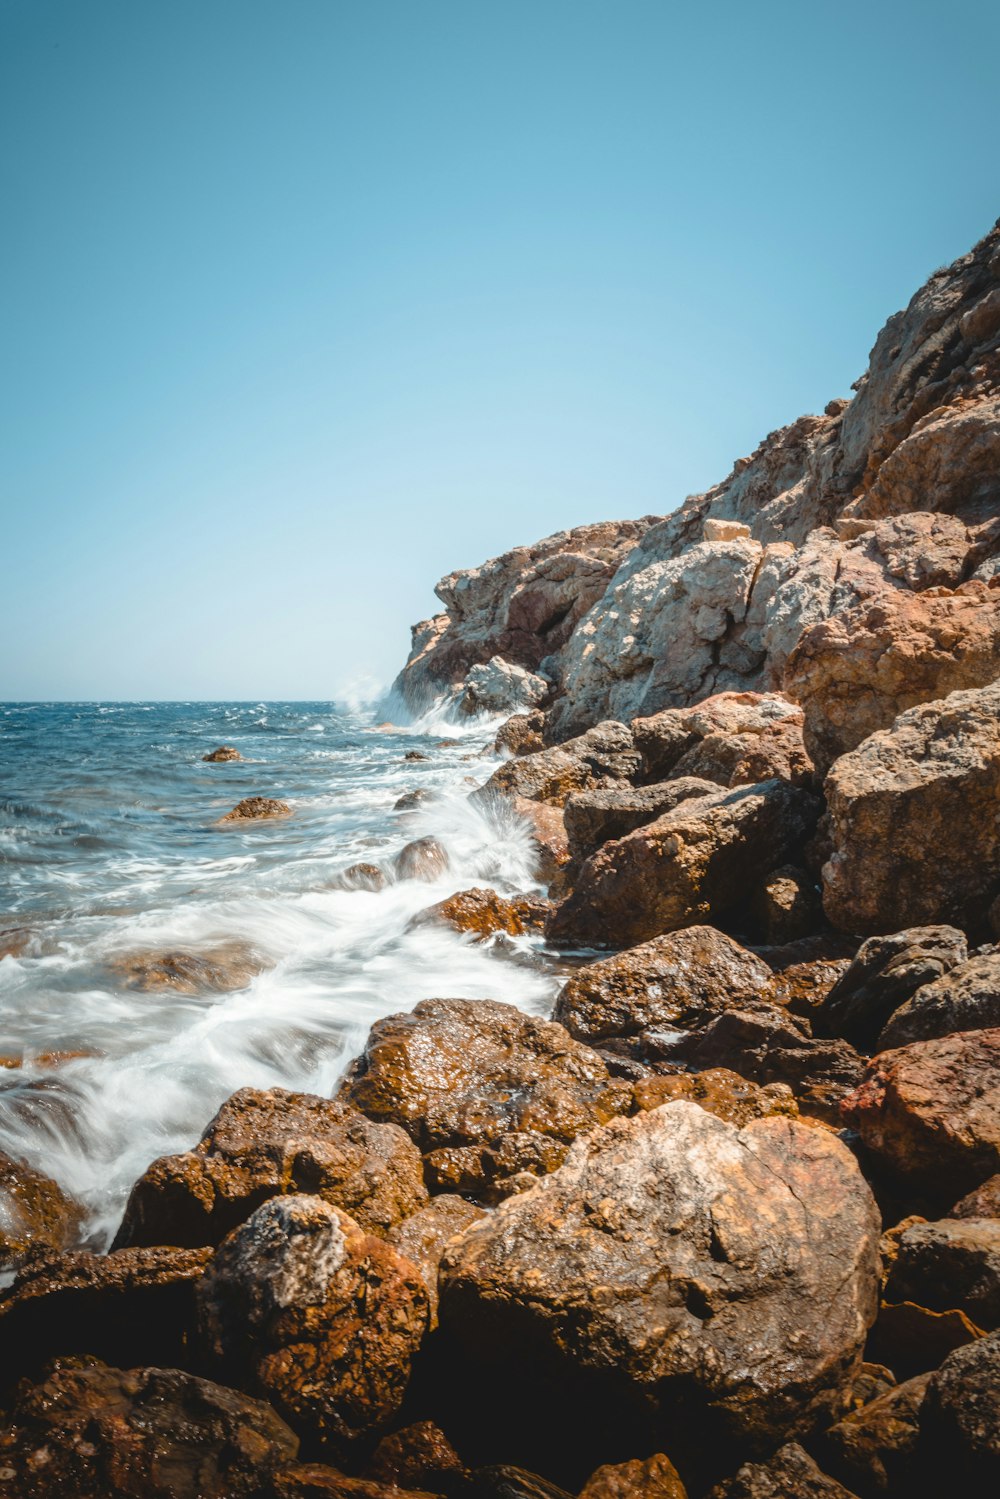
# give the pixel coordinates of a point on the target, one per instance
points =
(110, 845)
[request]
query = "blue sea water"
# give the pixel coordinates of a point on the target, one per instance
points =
(110, 844)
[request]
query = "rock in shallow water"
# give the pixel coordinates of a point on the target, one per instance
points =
(257, 809)
(34, 1212)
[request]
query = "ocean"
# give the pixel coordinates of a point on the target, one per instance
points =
(110, 847)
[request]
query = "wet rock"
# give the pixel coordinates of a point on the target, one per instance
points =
(502, 1481)
(966, 998)
(929, 1113)
(789, 1474)
(595, 817)
(264, 1143)
(684, 978)
(256, 809)
(873, 1449)
(485, 1091)
(548, 837)
(654, 1478)
(703, 1241)
(319, 1481)
(301, 1306)
(414, 755)
(131, 1304)
(885, 973)
(14, 941)
(221, 969)
(952, 1263)
(497, 686)
(363, 877)
(521, 734)
(805, 971)
(411, 800)
(723, 1093)
(483, 912)
(418, 1457)
(982, 1202)
(423, 1237)
(158, 1433)
(424, 859)
(603, 756)
(34, 1212)
(223, 753)
(913, 814)
(693, 864)
(960, 1418)
(733, 739)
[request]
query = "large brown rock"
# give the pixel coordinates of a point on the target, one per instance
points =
(885, 973)
(693, 864)
(966, 998)
(789, 1474)
(913, 815)
(301, 1306)
(654, 1478)
(423, 1237)
(718, 1276)
(722, 1092)
(733, 739)
(483, 912)
(960, 1419)
(521, 734)
(683, 978)
(257, 809)
(485, 1091)
(93, 1432)
(594, 817)
(930, 1112)
(873, 1449)
(603, 756)
(264, 1143)
(34, 1212)
(417, 1457)
(952, 1263)
(213, 970)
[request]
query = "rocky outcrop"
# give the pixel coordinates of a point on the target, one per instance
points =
(733, 739)
(264, 1144)
(655, 1478)
(665, 1247)
(966, 998)
(595, 817)
(34, 1212)
(789, 1474)
(499, 687)
(483, 912)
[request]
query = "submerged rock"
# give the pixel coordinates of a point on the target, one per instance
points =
(363, 877)
(222, 754)
(34, 1212)
(424, 859)
(257, 809)
(214, 970)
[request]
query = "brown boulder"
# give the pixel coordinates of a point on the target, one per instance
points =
(684, 978)
(262, 1144)
(960, 1419)
(982, 1202)
(215, 970)
(603, 756)
(723, 1093)
(595, 817)
(256, 809)
(483, 912)
(693, 864)
(787, 906)
(485, 1091)
(220, 755)
(411, 800)
(789, 1474)
(885, 973)
(548, 836)
(873, 1448)
(733, 739)
(654, 1478)
(417, 1457)
(363, 877)
(952, 1263)
(521, 734)
(424, 859)
(154, 1433)
(666, 1247)
(301, 1306)
(34, 1212)
(930, 1113)
(913, 815)
(966, 998)
(423, 1237)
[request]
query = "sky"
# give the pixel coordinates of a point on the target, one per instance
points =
(305, 303)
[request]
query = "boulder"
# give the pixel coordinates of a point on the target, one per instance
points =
(733, 738)
(424, 859)
(723, 1093)
(960, 1419)
(158, 1433)
(885, 973)
(484, 913)
(789, 1474)
(929, 1113)
(806, 970)
(485, 1091)
(222, 754)
(982, 1202)
(521, 734)
(603, 756)
(417, 1457)
(257, 809)
(595, 817)
(264, 1143)
(547, 831)
(363, 877)
(952, 1263)
(220, 969)
(913, 814)
(666, 1247)
(423, 1237)
(684, 978)
(411, 800)
(654, 1478)
(966, 998)
(498, 686)
(301, 1306)
(694, 864)
(34, 1212)
(873, 1449)
(414, 756)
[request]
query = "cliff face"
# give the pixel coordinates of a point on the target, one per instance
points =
(759, 582)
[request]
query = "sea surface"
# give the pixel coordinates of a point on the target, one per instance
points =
(110, 845)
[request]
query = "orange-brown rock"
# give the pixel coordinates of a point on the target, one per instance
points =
(952, 1263)
(652, 1478)
(417, 1457)
(423, 1237)
(873, 1449)
(485, 1091)
(223, 753)
(982, 1202)
(263, 1144)
(34, 1212)
(787, 906)
(789, 1474)
(424, 859)
(722, 1092)
(684, 978)
(301, 1306)
(549, 841)
(257, 809)
(93, 1432)
(484, 913)
(733, 739)
(320, 1481)
(966, 998)
(521, 734)
(214, 970)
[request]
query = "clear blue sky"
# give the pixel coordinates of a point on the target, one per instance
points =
(306, 302)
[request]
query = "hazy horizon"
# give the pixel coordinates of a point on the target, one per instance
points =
(306, 306)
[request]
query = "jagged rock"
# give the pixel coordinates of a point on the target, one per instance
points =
(694, 863)
(257, 809)
(423, 1237)
(885, 973)
(788, 906)
(424, 859)
(966, 998)
(724, 530)
(654, 1478)
(521, 734)
(130, 1305)
(500, 687)
(417, 1457)
(34, 1212)
(722, 1092)
(485, 1091)
(215, 970)
(951, 1263)
(684, 979)
(960, 1418)
(789, 1474)
(913, 816)
(982, 1202)
(930, 1112)
(483, 912)
(806, 970)
(702, 1241)
(595, 817)
(158, 1433)
(223, 753)
(733, 738)
(363, 877)
(857, 671)
(873, 1448)
(603, 756)
(301, 1306)
(261, 1144)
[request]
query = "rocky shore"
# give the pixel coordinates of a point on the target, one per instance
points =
(726, 1226)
